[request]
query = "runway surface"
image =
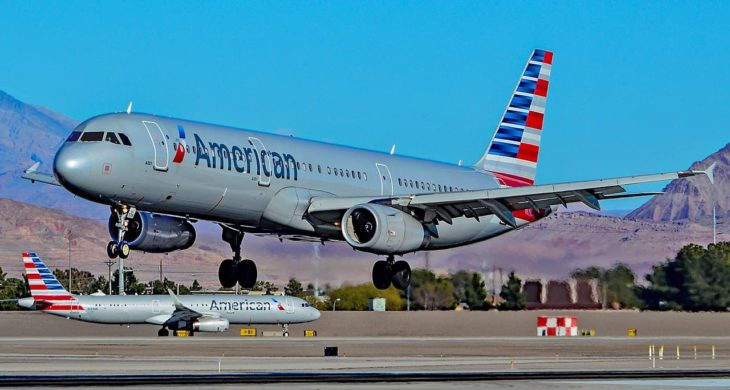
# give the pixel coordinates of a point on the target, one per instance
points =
(37, 344)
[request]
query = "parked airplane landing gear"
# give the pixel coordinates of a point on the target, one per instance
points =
(120, 247)
(387, 272)
(236, 270)
(163, 332)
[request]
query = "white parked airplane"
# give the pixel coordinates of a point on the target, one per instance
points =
(160, 174)
(193, 313)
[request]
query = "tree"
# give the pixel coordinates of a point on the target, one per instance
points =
(196, 286)
(131, 285)
(512, 296)
(83, 281)
(12, 288)
(356, 297)
(618, 283)
(469, 289)
(431, 292)
(262, 285)
(294, 288)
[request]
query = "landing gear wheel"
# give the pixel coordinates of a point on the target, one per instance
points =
(381, 274)
(174, 333)
(227, 273)
(401, 272)
(163, 332)
(123, 250)
(285, 334)
(246, 273)
(111, 249)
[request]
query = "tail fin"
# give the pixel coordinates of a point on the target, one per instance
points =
(44, 287)
(512, 154)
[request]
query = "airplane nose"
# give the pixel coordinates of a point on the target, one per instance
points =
(316, 314)
(71, 165)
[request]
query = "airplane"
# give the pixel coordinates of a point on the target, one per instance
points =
(159, 175)
(192, 313)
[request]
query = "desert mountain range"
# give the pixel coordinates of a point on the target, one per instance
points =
(38, 218)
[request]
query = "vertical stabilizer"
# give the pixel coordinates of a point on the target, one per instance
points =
(46, 290)
(512, 154)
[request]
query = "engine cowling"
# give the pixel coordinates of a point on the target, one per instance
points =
(207, 324)
(382, 229)
(156, 233)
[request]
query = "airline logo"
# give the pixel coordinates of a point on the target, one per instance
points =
(181, 145)
(45, 289)
(279, 305)
(512, 155)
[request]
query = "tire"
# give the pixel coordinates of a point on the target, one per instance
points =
(381, 275)
(246, 273)
(401, 275)
(285, 334)
(111, 249)
(227, 273)
(123, 250)
(163, 332)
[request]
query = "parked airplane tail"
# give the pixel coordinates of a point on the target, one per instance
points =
(512, 154)
(45, 289)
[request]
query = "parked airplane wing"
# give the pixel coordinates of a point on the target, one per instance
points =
(182, 312)
(503, 201)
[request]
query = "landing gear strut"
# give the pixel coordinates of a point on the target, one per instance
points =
(236, 270)
(285, 330)
(389, 271)
(120, 247)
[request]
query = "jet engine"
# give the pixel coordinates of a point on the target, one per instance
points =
(381, 229)
(208, 324)
(156, 233)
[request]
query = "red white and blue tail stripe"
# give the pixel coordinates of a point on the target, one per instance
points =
(512, 154)
(46, 290)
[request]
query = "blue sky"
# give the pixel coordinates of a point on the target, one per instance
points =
(637, 87)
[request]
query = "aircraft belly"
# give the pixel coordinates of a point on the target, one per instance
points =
(467, 230)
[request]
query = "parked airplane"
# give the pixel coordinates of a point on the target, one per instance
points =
(193, 313)
(160, 174)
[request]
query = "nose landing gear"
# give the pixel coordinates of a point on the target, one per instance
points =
(120, 248)
(389, 271)
(236, 270)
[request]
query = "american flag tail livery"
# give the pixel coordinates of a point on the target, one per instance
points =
(46, 290)
(512, 154)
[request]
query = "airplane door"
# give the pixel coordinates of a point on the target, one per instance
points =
(290, 306)
(265, 163)
(156, 306)
(159, 145)
(386, 181)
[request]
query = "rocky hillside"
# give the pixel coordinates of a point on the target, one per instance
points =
(692, 198)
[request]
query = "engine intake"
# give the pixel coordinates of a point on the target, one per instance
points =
(207, 324)
(382, 230)
(155, 233)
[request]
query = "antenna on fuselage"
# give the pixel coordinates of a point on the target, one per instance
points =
(129, 107)
(392, 150)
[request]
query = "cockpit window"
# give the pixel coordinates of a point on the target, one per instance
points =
(125, 139)
(111, 137)
(92, 136)
(74, 136)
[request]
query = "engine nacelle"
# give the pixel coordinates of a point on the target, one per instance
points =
(155, 233)
(207, 324)
(381, 229)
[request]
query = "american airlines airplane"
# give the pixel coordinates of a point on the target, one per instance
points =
(193, 313)
(159, 175)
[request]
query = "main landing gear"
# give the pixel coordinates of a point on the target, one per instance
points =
(236, 270)
(389, 271)
(120, 248)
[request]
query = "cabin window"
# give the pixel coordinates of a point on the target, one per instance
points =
(310, 167)
(341, 173)
(319, 168)
(187, 148)
(336, 172)
(439, 187)
(329, 170)
(365, 176)
(92, 136)
(416, 183)
(111, 137)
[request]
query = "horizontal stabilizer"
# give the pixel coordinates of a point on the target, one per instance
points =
(33, 175)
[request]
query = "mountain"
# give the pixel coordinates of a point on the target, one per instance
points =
(31, 134)
(692, 198)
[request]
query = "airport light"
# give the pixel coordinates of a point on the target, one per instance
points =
(334, 304)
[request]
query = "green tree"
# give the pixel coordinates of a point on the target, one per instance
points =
(294, 288)
(431, 292)
(196, 286)
(262, 285)
(356, 297)
(469, 289)
(12, 288)
(131, 285)
(619, 283)
(513, 298)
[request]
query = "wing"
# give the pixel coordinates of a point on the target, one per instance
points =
(501, 202)
(33, 175)
(181, 313)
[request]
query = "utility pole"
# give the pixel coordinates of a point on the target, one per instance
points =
(121, 276)
(161, 273)
(714, 226)
(68, 237)
(109, 263)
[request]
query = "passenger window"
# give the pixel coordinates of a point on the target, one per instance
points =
(341, 173)
(428, 186)
(187, 148)
(365, 176)
(439, 187)
(399, 182)
(310, 167)
(336, 172)
(74, 136)
(124, 139)
(92, 136)
(359, 177)
(347, 172)
(319, 168)
(416, 183)
(329, 170)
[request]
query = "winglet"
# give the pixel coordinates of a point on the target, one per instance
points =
(34, 168)
(178, 305)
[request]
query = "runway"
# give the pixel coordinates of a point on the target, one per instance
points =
(36, 345)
